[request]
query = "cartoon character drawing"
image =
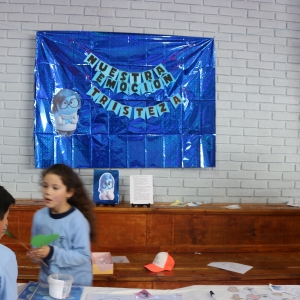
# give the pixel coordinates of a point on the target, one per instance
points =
(65, 105)
(106, 187)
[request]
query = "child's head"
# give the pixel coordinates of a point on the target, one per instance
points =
(74, 190)
(6, 200)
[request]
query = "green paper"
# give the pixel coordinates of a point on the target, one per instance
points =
(41, 240)
(10, 234)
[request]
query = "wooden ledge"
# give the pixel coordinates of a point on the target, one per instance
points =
(261, 209)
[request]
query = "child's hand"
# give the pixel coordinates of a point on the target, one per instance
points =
(39, 253)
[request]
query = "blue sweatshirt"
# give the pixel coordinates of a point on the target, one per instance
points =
(8, 274)
(71, 253)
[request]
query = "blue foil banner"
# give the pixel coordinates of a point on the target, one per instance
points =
(118, 100)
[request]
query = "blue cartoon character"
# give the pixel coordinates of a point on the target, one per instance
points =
(106, 187)
(65, 105)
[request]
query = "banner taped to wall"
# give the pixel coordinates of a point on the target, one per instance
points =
(118, 100)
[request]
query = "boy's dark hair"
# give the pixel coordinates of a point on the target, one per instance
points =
(6, 200)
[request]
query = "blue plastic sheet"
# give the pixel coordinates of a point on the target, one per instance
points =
(118, 100)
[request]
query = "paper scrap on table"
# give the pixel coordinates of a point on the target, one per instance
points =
(230, 266)
(234, 206)
(289, 289)
(118, 296)
(120, 259)
(293, 203)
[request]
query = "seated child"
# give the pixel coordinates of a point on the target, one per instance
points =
(8, 262)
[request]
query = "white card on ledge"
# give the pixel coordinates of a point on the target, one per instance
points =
(230, 266)
(141, 189)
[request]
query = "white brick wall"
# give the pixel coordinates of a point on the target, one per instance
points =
(258, 91)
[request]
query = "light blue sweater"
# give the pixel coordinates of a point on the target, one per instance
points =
(71, 253)
(8, 274)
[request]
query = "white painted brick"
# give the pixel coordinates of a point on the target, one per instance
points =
(287, 33)
(67, 27)
(272, 7)
(293, 75)
(271, 158)
(10, 8)
(244, 157)
(212, 174)
(286, 117)
(184, 173)
(173, 25)
(293, 92)
(231, 131)
(203, 27)
(273, 57)
(179, 17)
(243, 140)
(4, 150)
(245, 5)
(293, 42)
(292, 125)
(293, 26)
(272, 90)
(267, 193)
(260, 32)
(204, 10)
(260, 65)
(197, 183)
(246, 106)
(13, 132)
(219, 3)
(286, 50)
(221, 20)
(246, 55)
(238, 63)
(231, 148)
(254, 184)
(245, 88)
(233, 12)
(245, 39)
(270, 141)
(81, 20)
(211, 192)
(261, 15)
(260, 81)
(281, 184)
(293, 158)
(38, 9)
(182, 192)
(272, 73)
(227, 79)
(167, 182)
(271, 124)
(257, 149)
(232, 97)
(240, 192)
(90, 3)
(257, 132)
(174, 7)
(254, 167)
(276, 107)
(294, 59)
(261, 48)
(139, 23)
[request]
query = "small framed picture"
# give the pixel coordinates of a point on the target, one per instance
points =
(106, 187)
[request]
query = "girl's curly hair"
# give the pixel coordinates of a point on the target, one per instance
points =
(80, 198)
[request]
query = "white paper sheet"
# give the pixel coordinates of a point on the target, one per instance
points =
(230, 266)
(141, 189)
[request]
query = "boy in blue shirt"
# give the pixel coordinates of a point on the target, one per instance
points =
(8, 262)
